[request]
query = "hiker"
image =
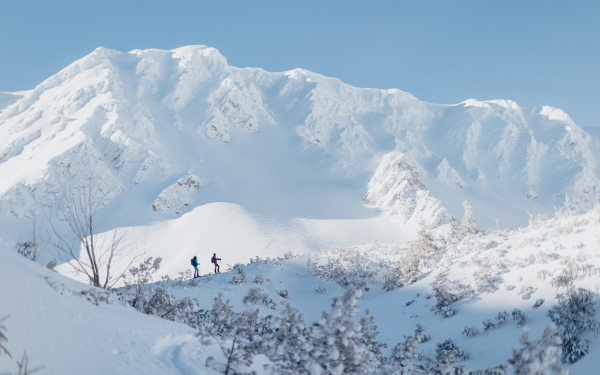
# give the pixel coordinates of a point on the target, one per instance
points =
(214, 259)
(195, 264)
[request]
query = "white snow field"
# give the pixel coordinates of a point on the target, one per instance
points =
(201, 157)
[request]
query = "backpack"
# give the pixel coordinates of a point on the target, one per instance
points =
(212, 260)
(194, 263)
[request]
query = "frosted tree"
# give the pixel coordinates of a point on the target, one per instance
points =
(290, 346)
(234, 333)
(539, 357)
(403, 355)
(469, 220)
(337, 341)
(77, 228)
(574, 315)
(411, 265)
(444, 297)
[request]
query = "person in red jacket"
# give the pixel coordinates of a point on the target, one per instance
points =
(215, 259)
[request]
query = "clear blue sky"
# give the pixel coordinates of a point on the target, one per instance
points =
(534, 52)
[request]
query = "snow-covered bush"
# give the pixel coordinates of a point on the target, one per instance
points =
(540, 356)
(337, 340)
(538, 221)
(28, 249)
(283, 293)
(574, 315)
(525, 292)
(485, 280)
(320, 289)
(97, 297)
(259, 279)
(444, 349)
(392, 281)
(470, 332)
(501, 318)
(538, 302)
(421, 334)
(51, 265)
(488, 325)
(403, 355)
(355, 274)
(469, 220)
(241, 275)
(520, 317)
(444, 297)
(571, 270)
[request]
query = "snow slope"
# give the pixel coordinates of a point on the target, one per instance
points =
(112, 338)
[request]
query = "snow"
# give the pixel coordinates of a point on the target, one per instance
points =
(209, 158)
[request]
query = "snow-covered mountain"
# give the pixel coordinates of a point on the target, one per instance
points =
(156, 116)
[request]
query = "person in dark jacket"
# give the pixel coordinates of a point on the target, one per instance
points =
(215, 259)
(195, 264)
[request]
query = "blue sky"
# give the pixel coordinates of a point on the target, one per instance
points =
(533, 52)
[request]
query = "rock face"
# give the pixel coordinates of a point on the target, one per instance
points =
(150, 116)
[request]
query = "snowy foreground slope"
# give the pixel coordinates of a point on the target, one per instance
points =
(488, 273)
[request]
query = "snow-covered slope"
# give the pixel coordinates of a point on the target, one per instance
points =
(494, 272)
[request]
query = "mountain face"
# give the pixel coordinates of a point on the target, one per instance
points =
(178, 129)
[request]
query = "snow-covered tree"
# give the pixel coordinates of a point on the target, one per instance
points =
(28, 249)
(443, 296)
(234, 333)
(574, 315)
(403, 355)
(290, 346)
(337, 341)
(469, 220)
(539, 357)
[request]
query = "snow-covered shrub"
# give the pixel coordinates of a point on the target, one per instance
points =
(520, 317)
(510, 287)
(392, 281)
(369, 333)
(28, 249)
(543, 257)
(337, 340)
(355, 274)
(259, 280)
(51, 265)
(485, 280)
(470, 332)
(498, 370)
(501, 318)
(97, 297)
(58, 287)
(240, 278)
(540, 356)
(538, 303)
(488, 325)
(421, 334)
(468, 221)
(283, 293)
(410, 302)
(403, 354)
(450, 348)
(538, 221)
(320, 289)
(444, 297)
(571, 270)
(525, 292)
(574, 315)
(542, 274)
(524, 262)
(288, 255)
